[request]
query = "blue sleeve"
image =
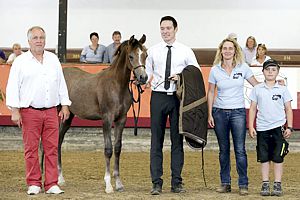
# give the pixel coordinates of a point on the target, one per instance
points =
(83, 55)
(106, 57)
(2, 55)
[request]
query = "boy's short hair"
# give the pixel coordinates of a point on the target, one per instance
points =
(270, 63)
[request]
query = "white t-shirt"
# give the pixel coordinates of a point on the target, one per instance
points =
(12, 57)
(256, 63)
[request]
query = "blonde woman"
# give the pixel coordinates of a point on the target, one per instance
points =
(261, 55)
(226, 111)
(16, 52)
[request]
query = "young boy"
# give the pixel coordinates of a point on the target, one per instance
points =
(273, 102)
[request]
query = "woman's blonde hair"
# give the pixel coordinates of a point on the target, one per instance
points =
(238, 57)
(16, 45)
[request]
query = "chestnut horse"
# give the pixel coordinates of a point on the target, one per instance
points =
(106, 96)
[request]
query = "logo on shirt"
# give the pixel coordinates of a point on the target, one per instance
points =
(236, 75)
(275, 97)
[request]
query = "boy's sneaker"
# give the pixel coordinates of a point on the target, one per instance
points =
(277, 190)
(265, 189)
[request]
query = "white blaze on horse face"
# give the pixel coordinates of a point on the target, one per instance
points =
(140, 56)
(139, 68)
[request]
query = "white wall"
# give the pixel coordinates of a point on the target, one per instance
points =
(202, 24)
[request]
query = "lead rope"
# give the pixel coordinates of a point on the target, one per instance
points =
(138, 100)
(203, 174)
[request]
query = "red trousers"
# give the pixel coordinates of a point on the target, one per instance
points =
(40, 125)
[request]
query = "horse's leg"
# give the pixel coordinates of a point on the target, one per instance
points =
(63, 128)
(119, 126)
(108, 153)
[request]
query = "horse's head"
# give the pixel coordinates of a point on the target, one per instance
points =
(137, 54)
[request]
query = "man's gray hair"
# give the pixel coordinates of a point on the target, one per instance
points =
(29, 32)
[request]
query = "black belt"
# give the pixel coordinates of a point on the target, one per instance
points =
(41, 109)
(166, 93)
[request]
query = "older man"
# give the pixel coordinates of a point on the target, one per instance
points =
(35, 87)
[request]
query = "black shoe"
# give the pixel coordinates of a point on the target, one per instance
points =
(156, 189)
(277, 190)
(224, 188)
(178, 189)
(265, 189)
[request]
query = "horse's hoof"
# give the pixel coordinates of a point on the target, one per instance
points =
(109, 190)
(61, 181)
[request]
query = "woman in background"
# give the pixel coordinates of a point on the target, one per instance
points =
(16, 52)
(261, 56)
(93, 53)
(250, 49)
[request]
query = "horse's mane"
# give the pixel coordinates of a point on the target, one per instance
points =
(121, 50)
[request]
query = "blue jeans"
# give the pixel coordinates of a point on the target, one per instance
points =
(234, 121)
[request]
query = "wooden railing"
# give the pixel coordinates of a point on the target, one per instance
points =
(205, 56)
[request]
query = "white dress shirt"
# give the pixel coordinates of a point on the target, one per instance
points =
(36, 84)
(181, 57)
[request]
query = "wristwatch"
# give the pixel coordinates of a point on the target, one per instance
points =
(291, 128)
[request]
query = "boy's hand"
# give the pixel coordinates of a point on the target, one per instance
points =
(252, 132)
(287, 133)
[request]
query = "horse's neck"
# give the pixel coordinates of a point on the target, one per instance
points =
(120, 69)
(121, 73)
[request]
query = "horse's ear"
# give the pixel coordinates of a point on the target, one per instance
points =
(131, 40)
(143, 39)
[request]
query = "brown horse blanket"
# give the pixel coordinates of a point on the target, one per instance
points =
(193, 107)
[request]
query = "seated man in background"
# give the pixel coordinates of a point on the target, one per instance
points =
(93, 53)
(16, 52)
(110, 49)
(2, 57)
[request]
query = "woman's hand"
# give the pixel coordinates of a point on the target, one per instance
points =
(211, 122)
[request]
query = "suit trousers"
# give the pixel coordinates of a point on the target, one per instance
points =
(163, 106)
